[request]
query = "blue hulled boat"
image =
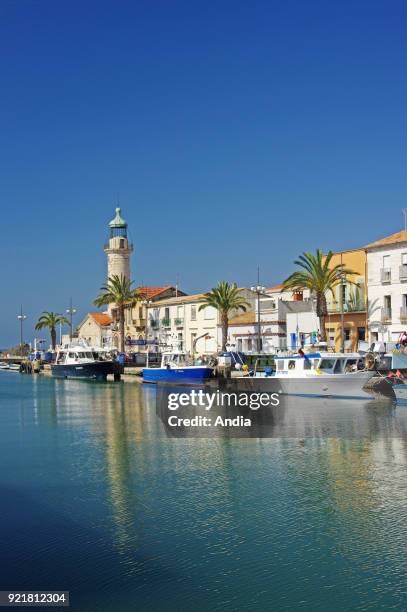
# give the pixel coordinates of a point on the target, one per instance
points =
(78, 361)
(178, 369)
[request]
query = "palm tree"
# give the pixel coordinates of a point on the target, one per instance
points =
(51, 320)
(118, 290)
(317, 276)
(225, 297)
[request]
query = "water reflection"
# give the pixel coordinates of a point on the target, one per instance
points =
(317, 506)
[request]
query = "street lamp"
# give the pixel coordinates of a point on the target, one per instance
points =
(21, 317)
(258, 290)
(71, 311)
(147, 303)
(341, 276)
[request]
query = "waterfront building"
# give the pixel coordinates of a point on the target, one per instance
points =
(350, 296)
(135, 316)
(387, 287)
(272, 335)
(95, 328)
(177, 323)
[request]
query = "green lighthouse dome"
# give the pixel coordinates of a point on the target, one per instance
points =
(118, 221)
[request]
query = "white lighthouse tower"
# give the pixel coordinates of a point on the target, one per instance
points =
(118, 249)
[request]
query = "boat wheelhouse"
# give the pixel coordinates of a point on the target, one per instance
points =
(317, 374)
(178, 369)
(80, 361)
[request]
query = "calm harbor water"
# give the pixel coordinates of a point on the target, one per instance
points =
(98, 500)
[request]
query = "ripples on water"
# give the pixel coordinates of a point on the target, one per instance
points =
(98, 500)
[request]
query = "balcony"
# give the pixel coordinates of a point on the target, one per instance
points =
(179, 322)
(348, 306)
(386, 315)
(385, 275)
(139, 322)
(403, 313)
(403, 272)
(166, 322)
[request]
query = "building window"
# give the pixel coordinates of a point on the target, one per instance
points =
(193, 313)
(404, 259)
(362, 333)
(387, 303)
(121, 243)
(347, 333)
(209, 312)
(330, 332)
(166, 313)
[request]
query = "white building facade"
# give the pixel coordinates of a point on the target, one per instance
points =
(387, 287)
(179, 324)
(273, 334)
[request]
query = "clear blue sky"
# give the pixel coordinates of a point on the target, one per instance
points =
(235, 133)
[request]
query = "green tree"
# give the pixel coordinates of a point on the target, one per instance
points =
(319, 277)
(225, 297)
(51, 320)
(118, 291)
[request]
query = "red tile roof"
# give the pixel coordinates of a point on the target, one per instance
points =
(150, 292)
(393, 239)
(274, 289)
(101, 318)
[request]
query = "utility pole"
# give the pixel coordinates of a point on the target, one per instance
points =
(21, 317)
(71, 311)
(342, 280)
(258, 290)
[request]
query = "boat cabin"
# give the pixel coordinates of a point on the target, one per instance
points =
(318, 363)
(74, 355)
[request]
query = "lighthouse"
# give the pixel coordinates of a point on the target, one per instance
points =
(118, 249)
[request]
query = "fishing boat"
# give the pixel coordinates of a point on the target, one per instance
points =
(178, 369)
(79, 361)
(317, 374)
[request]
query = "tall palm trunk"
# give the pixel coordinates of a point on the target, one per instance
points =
(53, 338)
(224, 321)
(322, 312)
(121, 327)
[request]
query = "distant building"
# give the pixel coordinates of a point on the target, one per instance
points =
(272, 334)
(387, 287)
(177, 323)
(135, 317)
(95, 328)
(352, 295)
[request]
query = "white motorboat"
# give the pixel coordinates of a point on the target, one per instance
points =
(316, 374)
